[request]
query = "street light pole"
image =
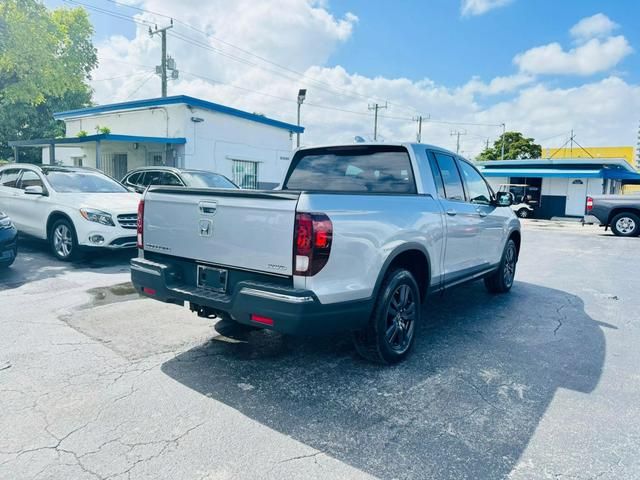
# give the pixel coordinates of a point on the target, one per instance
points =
(302, 94)
(504, 127)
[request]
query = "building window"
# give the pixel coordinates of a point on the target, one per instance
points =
(115, 165)
(245, 174)
(77, 161)
(155, 159)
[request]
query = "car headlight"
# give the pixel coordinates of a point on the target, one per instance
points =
(5, 222)
(97, 216)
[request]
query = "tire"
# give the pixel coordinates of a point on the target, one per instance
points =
(523, 213)
(626, 224)
(63, 240)
(501, 280)
(390, 334)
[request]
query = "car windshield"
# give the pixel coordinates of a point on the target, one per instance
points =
(207, 180)
(76, 181)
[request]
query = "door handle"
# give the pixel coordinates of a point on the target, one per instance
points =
(451, 212)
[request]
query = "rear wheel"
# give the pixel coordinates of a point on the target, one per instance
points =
(63, 240)
(626, 224)
(390, 334)
(523, 213)
(501, 280)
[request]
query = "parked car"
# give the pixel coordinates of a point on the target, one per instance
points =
(353, 241)
(620, 212)
(523, 201)
(69, 207)
(139, 179)
(8, 241)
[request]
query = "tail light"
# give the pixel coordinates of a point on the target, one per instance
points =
(312, 243)
(589, 204)
(140, 223)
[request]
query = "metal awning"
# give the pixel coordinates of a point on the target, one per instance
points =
(541, 173)
(103, 137)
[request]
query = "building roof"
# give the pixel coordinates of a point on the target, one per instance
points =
(108, 137)
(177, 99)
(613, 168)
(588, 163)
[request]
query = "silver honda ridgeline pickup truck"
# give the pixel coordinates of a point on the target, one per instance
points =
(353, 241)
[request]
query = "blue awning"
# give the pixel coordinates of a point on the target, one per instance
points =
(541, 173)
(617, 174)
(104, 137)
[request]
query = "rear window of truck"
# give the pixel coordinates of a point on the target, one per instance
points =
(357, 169)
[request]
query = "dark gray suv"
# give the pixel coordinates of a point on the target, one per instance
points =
(139, 179)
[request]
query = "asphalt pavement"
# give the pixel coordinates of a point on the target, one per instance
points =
(97, 383)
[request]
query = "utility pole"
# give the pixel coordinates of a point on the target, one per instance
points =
(419, 119)
(457, 134)
(375, 107)
(162, 69)
(504, 129)
(302, 94)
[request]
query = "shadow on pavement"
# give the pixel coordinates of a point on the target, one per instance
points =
(35, 262)
(464, 405)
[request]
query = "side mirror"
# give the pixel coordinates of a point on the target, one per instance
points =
(504, 199)
(34, 190)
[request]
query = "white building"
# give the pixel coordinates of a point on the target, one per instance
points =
(252, 150)
(559, 187)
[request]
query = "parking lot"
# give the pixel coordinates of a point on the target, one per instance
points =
(541, 383)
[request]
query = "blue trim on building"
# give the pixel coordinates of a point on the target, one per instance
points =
(194, 102)
(540, 173)
(108, 137)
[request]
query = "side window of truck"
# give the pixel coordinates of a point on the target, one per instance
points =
(450, 177)
(476, 186)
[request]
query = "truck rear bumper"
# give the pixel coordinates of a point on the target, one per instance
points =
(284, 309)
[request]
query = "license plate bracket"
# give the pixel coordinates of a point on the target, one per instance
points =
(212, 278)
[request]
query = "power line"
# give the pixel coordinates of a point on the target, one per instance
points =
(143, 83)
(327, 86)
(330, 88)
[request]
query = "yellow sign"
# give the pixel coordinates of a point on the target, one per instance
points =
(626, 153)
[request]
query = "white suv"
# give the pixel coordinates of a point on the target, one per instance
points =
(69, 207)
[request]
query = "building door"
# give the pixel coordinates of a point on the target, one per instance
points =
(576, 197)
(115, 165)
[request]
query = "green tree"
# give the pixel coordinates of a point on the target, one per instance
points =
(516, 146)
(46, 58)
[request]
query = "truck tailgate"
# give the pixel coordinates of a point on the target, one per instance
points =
(235, 228)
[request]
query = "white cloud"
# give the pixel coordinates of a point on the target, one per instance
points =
(597, 25)
(303, 34)
(591, 57)
(480, 7)
(497, 85)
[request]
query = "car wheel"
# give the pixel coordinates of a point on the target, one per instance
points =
(501, 280)
(63, 240)
(626, 224)
(523, 213)
(390, 334)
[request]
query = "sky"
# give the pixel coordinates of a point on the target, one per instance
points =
(540, 67)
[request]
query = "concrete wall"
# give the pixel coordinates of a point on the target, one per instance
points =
(219, 139)
(167, 121)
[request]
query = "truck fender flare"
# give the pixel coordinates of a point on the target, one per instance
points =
(405, 247)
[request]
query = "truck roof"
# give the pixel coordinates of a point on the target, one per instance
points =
(369, 144)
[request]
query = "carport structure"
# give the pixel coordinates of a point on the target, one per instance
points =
(113, 153)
